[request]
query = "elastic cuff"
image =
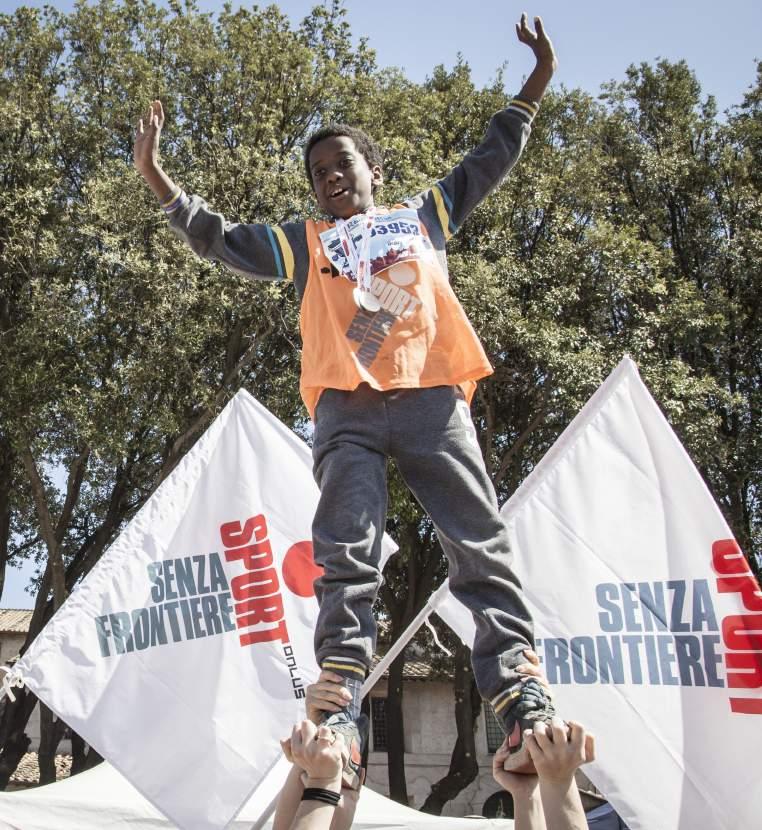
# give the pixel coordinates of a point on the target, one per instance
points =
(526, 109)
(345, 666)
(499, 702)
(173, 201)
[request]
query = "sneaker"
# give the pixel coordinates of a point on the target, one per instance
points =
(355, 735)
(528, 702)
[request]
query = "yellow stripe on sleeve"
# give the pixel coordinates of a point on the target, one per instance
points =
(326, 664)
(444, 218)
(517, 102)
(506, 700)
(288, 254)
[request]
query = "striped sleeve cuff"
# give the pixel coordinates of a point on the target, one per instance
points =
(525, 109)
(174, 200)
(345, 666)
(283, 253)
(444, 210)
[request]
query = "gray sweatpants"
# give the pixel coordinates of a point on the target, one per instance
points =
(430, 435)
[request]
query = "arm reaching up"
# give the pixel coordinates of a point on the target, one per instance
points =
(557, 753)
(258, 251)
(146, 153)
(547, 63)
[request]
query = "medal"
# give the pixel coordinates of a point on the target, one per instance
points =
(366, 300)
(359, 262)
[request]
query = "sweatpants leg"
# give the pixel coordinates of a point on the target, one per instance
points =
(434, 444)
(350, 469)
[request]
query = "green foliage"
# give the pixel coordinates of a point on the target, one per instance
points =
(630, 226)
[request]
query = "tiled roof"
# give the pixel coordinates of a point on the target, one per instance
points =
(28, 770)
(14, 620)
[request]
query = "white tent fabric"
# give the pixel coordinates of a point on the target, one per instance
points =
(101, 799)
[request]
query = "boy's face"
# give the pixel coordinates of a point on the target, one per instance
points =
(342, 179)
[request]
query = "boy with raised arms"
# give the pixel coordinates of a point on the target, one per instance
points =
(389, 366)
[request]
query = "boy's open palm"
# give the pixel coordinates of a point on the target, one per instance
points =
(538, 41)
(146, 148)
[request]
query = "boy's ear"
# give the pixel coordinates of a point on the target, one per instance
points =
(377, 175)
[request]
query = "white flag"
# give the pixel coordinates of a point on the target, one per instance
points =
(649, 621)
(184, 656)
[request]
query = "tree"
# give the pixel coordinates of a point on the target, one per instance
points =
(118, 345)
(631, 225)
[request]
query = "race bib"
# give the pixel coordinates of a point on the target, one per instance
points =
(396, 238)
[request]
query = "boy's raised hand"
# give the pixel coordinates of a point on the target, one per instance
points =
(146, 148)
(538, 41)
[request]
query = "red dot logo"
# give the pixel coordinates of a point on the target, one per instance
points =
(300, 570)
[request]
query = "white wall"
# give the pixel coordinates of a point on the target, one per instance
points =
(430, 734)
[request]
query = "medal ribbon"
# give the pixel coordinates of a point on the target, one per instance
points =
(359, 259)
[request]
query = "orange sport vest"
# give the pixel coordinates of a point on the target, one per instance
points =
(420, 337)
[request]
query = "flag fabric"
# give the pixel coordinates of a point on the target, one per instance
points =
(648, 618)
(184, 655)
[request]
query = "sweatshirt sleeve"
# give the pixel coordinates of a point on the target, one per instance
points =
(445, 206)
(263, 252)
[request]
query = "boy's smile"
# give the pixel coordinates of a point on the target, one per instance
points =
(342, 179)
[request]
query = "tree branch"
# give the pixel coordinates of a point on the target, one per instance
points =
(48, 533)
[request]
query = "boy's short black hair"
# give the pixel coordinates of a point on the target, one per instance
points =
(365, 145)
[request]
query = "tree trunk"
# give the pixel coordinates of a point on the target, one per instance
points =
(47, 531)
(6, 488)
(13, 739)
(51, 732)
(82, 759)
(395, 732)
(463, 764)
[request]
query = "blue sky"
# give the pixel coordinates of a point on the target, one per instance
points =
(595, 40)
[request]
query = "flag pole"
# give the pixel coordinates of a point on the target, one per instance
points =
(383, 664)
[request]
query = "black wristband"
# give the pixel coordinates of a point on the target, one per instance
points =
(319, 794)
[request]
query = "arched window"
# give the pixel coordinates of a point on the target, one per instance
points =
(498, 805)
